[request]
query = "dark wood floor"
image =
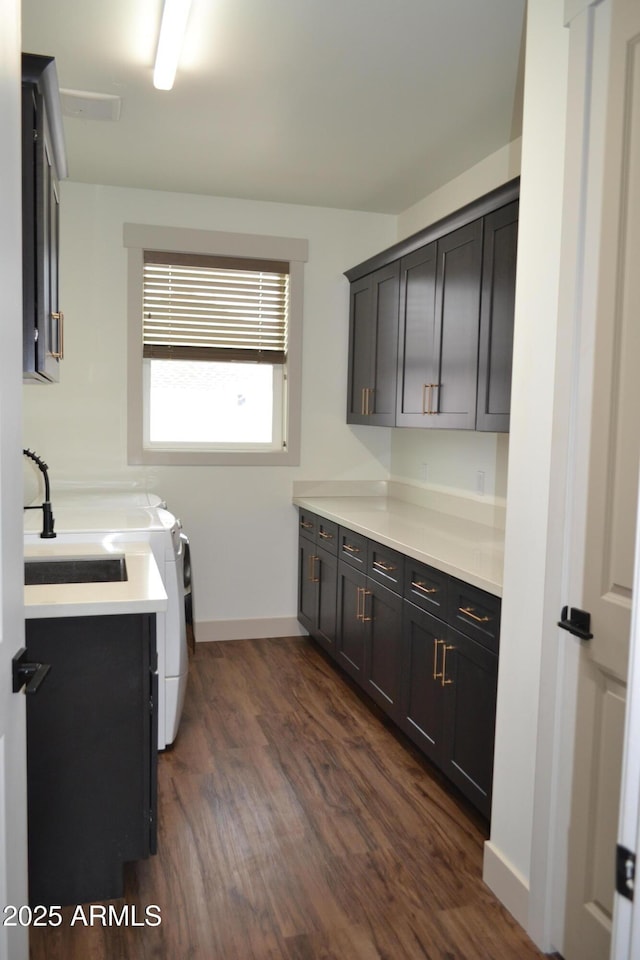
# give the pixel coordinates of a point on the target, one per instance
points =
(293, 825)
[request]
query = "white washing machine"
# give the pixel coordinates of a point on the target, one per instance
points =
(119, 518)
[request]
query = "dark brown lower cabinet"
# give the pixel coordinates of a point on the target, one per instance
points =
(91, 755)
(422, 690)
(383, 647)
(435, 681)
(470, 675)
(448, 701)
(351, 628)
(369, 633)
(317, 584)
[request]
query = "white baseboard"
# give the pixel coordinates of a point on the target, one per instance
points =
(256, 629)
(508, 884)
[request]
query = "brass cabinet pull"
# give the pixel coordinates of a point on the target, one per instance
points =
(361, 604)
(365, 401)
(385, 567)
(445, 647)
(436, 644)
(418, 585)
(325, 535)
(59, 354)
(306, 524)
(468, 612)
(359, 592)
(350, 549)
(312, 572)
(365, 593)
(426, 398)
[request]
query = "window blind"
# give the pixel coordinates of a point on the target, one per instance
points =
(214, 308)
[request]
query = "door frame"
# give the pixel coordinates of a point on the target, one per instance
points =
(13, 817)
(573, 400)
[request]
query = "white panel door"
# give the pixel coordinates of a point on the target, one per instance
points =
(13, 816)
(612, 281)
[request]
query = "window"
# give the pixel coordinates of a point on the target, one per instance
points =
(214, 347)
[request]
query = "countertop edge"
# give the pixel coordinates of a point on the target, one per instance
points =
(142, 592)
(327, 507)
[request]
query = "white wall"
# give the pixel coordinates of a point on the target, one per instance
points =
(240, 519)
(529, 524)
(494, 170)
(454, 457)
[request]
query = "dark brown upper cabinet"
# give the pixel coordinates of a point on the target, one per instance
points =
(43, 165)
(373, 347)
(496, 318)
(456, 286)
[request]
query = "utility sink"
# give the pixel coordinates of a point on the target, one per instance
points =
(38, 570)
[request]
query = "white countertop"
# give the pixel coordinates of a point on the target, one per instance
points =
(471, 551)
(142, 591)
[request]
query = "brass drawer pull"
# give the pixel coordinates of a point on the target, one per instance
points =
(418, 585)
(325, 535)
(306, 524)
(468, 612)
(384, 567)
(350, 549)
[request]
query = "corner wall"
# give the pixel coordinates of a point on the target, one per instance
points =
(240, 520)
(508, 855)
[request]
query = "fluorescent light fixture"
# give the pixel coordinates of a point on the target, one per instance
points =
(174, 23)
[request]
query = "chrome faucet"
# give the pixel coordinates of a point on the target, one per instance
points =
(47, 514)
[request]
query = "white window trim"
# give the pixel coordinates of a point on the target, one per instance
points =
(140, 237)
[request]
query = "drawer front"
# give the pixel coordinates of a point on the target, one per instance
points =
(385, 566)
(426, 587)
(352, 547)
(308, 525)
(475, 613)
(327, 535)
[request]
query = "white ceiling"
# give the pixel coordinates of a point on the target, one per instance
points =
(355, 104)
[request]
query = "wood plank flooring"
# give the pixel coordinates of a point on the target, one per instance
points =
(294, 825)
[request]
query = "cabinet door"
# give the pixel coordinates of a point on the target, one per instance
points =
(470, 678)
(91, 755)
(360, 349)
(416, 340)
(423, 639)
(496, 319)
(373, 347)
(382, 612)
(351, 625)
(325, 627)
(308, 578)
(458, 282)
(42, 322)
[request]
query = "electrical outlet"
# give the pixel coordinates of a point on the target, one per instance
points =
(480, 482)
(424, 472)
